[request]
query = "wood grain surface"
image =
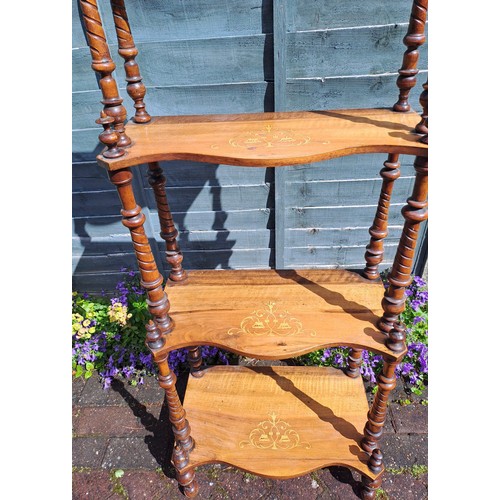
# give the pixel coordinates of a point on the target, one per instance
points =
(270, 139)
(269, 314)
(277, 422)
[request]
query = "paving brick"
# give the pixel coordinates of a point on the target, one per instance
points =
(147, 485)
(404, 450)
(242, 486)
(88, 451)
(115, 421)
(91, 485)
(405, 486)
(338, 483)
(77, 386)
(409, 419)
(133, 453)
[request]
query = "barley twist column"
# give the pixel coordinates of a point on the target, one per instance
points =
(127, 49)
(370, 486)
(414, 38)
(104, 66)
(184, 443)
(354, 361)
(151, 279)
(400, 278)
(378, 231)
(168, 231)
(378, 411)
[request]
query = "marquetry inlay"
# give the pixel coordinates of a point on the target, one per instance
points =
(269, 321)
(269, 137)
(274, 434)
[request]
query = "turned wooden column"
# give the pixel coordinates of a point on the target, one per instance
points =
(400, 277)
(184, 443)
(422, 127)
(354, 361)
(151, 279)
(127, 49)
(414, 38)
(104, 66)
(378, 411)
(168, 231)
(378, 231)
(370, 486)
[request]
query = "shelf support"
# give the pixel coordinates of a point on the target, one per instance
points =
(378, 411)
(103, 65)
(354, 361)
(400, 277)
(422, 126)
(378, 231)
(151, 279)
(370, 486)
(127, 49)
(414, 38)
(168, 231)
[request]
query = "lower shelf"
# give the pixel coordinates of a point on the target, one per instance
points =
(278, 422)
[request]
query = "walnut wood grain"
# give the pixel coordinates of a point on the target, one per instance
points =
(414, 213)
(235, 413)
(168, 232)
(270, 314)
(414, 38)
(386, 382)
(270, 139)
(127, 49)
(103, 65)
(151, 279)
(378, 231)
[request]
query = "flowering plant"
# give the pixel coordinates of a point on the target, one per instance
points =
(108, 336)
(413, 369)
(108, 339)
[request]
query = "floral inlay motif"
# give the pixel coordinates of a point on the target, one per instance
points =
(269, 137)
(268, 321)
(274, 434)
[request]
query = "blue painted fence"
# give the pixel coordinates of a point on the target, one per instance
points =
(238, 56)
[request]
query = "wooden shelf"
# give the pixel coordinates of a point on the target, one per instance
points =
(270, 139)
(269, 314)
(278, 422)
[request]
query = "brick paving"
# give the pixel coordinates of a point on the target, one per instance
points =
(122, 441)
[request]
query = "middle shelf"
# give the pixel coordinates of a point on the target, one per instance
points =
(269, 314)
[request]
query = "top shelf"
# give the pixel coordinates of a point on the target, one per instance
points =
(270, 139)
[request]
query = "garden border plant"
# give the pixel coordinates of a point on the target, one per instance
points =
(109, 332)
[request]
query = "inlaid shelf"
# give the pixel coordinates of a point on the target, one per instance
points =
(268, 314)
(270, 139)
(278, 421)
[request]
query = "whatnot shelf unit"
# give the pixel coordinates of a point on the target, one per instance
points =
(277, 421)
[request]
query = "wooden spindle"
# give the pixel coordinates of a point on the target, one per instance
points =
(109, 137)
(414, 38)
(104, 66)
(186, 479)
(177, 414)
(354, 361)
(378, 231)
(422, 127)
(376, 415)
(400, 277)
(195, 361)
(370, 486)
(397, 338)
(168, 230)
(127, 49)
(151, 279)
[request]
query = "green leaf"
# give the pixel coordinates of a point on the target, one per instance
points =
(88, 375)
(89, 366)
(119, 473)
(78, 371)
